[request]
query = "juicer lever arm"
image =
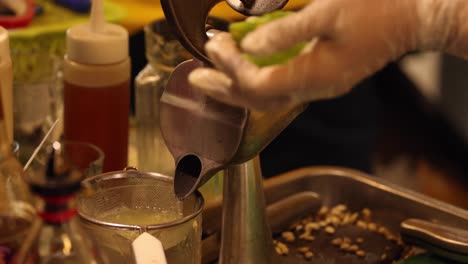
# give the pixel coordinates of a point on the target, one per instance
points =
(189, 19)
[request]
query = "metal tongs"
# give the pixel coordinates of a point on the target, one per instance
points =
(445, 241)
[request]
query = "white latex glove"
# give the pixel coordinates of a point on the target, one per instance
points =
(351, 40)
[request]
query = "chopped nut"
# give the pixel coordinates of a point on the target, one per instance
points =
(390, 237)
(382, 230)
(278, 250)
(288, 236)
(323, 210)
(303, 249)
(323, 223)
(387, 234)
(308, 255)
(312, 226)
(353, 248)
(308, 238)
(366, 212)
(345, 246)
(359, 240)
(361, 224)
(338, 210)
(353, 218)
(337, 241)
(383, 257)
(330, 229)
(347, 240)
(299, 227)
(361, 253)
(346, 219)
(372, 227)
(282, 249)
(334, 220)
(281, 244)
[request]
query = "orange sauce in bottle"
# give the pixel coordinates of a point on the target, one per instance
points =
(99, 115)
(96, 78)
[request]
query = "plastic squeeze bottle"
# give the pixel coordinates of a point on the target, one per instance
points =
(97, 87)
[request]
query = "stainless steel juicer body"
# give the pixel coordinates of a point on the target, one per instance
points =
(204, 135)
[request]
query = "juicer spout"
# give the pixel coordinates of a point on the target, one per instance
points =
(189, 176)
(201, 133)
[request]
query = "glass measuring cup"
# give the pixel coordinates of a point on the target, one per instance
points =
(117, 207)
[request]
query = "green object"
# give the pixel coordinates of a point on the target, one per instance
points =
(37, 48)
(239, 30)
(424, 259)
(280, 57)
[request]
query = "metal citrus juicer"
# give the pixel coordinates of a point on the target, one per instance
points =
(206, 136)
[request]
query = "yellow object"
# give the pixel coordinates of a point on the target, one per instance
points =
(57, 19)
(33, 48)
(142, 12)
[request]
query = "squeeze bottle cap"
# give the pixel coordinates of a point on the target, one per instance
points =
(4, 45)
(97, 42)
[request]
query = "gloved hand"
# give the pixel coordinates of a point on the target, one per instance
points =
(349, 40)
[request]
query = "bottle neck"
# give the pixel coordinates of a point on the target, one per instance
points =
(58, 210)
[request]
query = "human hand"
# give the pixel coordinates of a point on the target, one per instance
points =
(349, 40)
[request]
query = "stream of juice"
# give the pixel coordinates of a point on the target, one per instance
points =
(99, 115)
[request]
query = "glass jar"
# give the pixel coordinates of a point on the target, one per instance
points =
(17, 213)
(61, 238)
(164, 53)
(117, 207)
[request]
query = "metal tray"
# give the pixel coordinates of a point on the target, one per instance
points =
(390, 203)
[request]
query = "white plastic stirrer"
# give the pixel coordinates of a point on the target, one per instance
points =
(148, 250)
(33, 155)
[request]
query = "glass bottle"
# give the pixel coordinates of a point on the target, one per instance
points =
(61, 238)
(17, 213)
(164, 53)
